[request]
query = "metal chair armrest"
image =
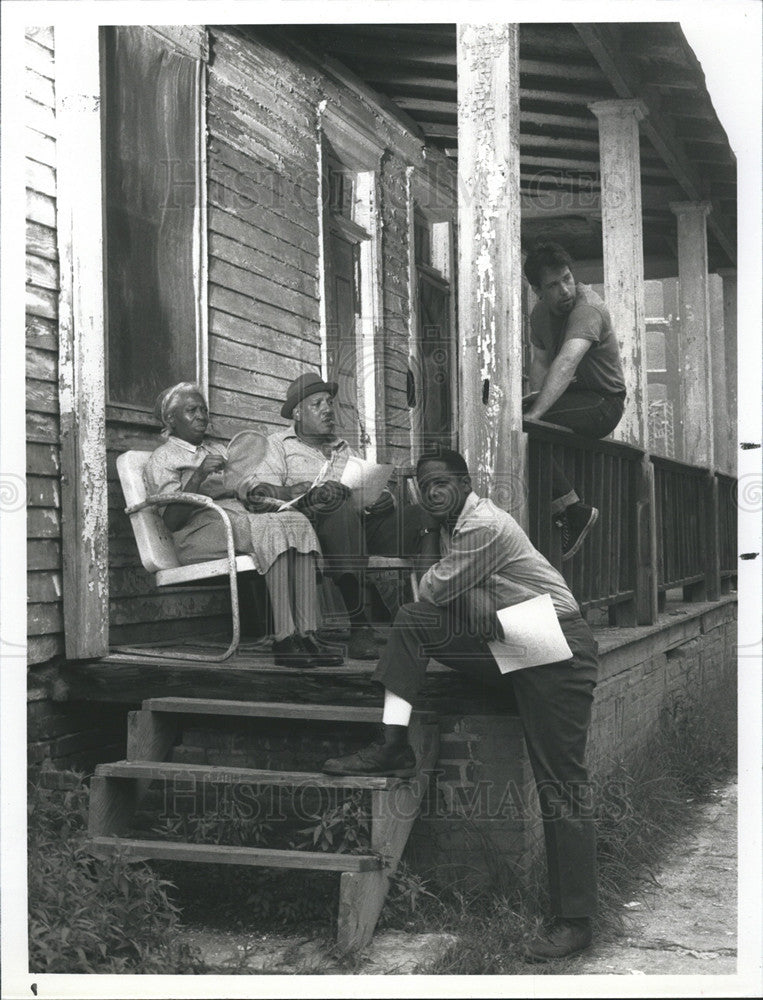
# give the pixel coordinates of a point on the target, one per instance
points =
(199, 500)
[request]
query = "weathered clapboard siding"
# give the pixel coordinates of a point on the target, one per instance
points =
(396, 299)
(264, 311)
(44, 608)
(264, 235)
(223, 220)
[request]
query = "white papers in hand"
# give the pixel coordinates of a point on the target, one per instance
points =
(532, 636)
(366, 479)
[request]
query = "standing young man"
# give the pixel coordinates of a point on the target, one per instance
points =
(575, 372)
(487, 562)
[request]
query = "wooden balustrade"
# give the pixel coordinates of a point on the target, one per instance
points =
(727, 530)
(696, 530)
(615, 566)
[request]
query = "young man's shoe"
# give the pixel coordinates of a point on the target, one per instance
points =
(565, 937)
(575, 523)
(323, 654)
(361, 645)
(395, 760)
(292, 652)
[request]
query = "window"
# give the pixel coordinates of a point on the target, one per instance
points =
(343, 239)
(350, 275)
(432, 371)
(153, 229)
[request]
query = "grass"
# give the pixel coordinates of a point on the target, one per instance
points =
(689, 752)
(92, 915)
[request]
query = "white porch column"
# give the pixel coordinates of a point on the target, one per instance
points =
(696, 383)
(718, 374)
(489, 274)
(81, 363)
(729, 276)
(622, 230)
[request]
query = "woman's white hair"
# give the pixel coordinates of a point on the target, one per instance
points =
(167, 401)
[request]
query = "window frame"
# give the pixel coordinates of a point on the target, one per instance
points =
(192, 44)
(344, 143)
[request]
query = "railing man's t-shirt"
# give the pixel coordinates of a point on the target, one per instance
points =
(600, 368)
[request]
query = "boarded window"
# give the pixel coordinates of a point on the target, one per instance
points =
(152, 197)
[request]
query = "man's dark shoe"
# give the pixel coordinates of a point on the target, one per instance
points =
(361, 645)
(562, 938)
(575, 523)
(292, 652)
(396, 760)
(323, 654)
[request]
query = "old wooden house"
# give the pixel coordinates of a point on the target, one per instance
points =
(234, 204)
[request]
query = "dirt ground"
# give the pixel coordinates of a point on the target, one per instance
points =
(685, 923)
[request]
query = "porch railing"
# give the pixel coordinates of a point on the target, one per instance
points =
(662, 524)
(608, 569)
(681, 495)
(727, 529)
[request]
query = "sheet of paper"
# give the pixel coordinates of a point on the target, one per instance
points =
(531, 636)
(366, 479)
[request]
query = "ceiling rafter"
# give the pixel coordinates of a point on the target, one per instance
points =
(624, 75)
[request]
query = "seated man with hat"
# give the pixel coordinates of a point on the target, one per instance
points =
(310, 450)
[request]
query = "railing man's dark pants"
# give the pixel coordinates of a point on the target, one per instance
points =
(554, 703)
(589, 414)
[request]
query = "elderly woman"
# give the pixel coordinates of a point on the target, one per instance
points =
(283, 544)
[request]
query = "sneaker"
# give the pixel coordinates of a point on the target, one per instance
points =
(575, 523)
(323, 654)
(562, 938)
(291, 652)
(395, 760)
(361, 645)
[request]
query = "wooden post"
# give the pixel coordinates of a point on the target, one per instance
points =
(646, 546)
(721, 428)
(623, 236)
(712, 540)
(729, 276)
(81, 342)
(696, 385)
(622, 231)
(489, 274)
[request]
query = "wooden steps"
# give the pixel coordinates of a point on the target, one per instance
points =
(118, 788)
(271, 710)
(223, 854)
(158, 771)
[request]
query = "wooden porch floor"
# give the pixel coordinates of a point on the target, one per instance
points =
(251, 674)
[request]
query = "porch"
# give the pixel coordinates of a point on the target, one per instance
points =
(370, 220)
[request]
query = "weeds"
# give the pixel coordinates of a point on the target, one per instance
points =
(692, 748)
(90, 914)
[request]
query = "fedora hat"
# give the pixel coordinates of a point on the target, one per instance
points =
(304, 386)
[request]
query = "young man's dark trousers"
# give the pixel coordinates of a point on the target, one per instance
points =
(588, 413)
(554, 706)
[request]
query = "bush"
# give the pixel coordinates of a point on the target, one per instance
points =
(88, 914)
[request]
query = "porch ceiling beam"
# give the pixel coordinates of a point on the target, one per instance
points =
(623, 73)
(558, 70)
(588, 165)
(560, 203)
(392, 76)
(587, 122)
(439, 130)
(343, 44)
(565, 97)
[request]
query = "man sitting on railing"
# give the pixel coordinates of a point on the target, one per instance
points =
(575, 373)
(485, 562)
